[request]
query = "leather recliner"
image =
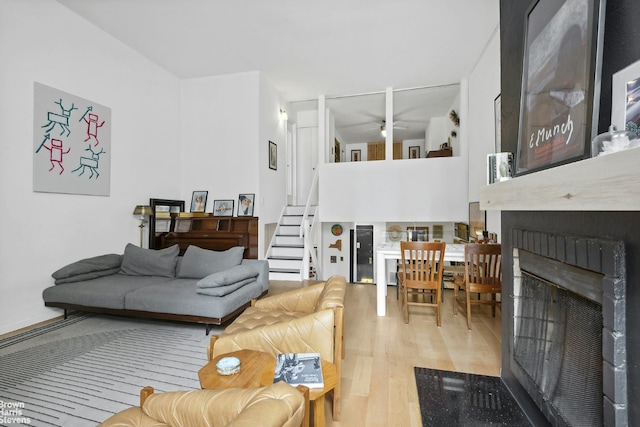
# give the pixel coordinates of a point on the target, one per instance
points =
(277, 405)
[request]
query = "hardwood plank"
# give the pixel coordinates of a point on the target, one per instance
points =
(378, 384)
(380, 354)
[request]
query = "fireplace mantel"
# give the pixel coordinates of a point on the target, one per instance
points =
(606, 183)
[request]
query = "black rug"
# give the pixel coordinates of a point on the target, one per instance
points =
(457, 399)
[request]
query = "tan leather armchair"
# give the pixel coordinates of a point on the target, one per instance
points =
(305, 320)
(277, 405)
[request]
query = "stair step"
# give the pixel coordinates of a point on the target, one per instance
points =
(283, 270)
(282, 245)
(286, 258)
(294, 277)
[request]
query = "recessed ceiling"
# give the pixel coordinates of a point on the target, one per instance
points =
(305, 48)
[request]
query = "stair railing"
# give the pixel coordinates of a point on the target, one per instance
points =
(307, 229)
(275, 232)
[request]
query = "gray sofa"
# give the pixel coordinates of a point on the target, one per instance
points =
(203, 286)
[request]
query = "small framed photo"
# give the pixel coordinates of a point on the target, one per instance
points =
(625, 107)
(273, 156)
(355, 155)
(223, 208)
(245, 204)
(199, 201)
(183, 225)
(163, 225)
(414, 152)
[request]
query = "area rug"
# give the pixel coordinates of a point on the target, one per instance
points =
(82, 370)
(457, 399)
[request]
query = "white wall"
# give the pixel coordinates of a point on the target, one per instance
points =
(220, 128)
(484, 86)
(41, 232)
(394, 190)
(272, 183)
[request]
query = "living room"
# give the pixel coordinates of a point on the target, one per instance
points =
(152, 107)
(153, 111)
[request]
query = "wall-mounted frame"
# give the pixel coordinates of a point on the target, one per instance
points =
(625, 104)
(273, 156)
(356, 155)
(199, 201)
(438, 231)
(223, 207)
(418, 234)
(497, 117)
(414, 152)
(245, 204)
(560, 83)
(477, 221)
(162, 207)
(461, 231)
(182, 225)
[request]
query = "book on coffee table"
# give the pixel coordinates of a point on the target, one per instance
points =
(299, 369)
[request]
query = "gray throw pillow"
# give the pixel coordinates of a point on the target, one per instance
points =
(87, 276)
(221, 291)
(89, 265)
(198, 263)
(228, 277)
(150, 262)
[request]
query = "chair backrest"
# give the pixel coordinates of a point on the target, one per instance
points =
(422, 262)
(483, 264)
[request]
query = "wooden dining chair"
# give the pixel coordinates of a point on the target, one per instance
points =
(483, 275)
(421, 276)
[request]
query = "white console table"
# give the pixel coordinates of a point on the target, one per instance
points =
(385, 251)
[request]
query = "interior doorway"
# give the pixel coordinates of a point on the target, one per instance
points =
(364, 253)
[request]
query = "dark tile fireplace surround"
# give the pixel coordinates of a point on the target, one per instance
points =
(529, 228)
(602, 242)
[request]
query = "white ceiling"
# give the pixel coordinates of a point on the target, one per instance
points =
(305, 48)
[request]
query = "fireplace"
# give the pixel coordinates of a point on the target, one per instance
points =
(567, 342)
(565, 356)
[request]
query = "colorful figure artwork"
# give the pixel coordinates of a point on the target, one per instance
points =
(72, 143)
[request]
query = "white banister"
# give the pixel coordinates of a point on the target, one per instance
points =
(307, 229)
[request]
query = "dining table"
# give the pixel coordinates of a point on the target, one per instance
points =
(453, 252)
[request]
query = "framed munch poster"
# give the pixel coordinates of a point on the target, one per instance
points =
(560, 83)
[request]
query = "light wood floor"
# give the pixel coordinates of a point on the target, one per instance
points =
(378, 385)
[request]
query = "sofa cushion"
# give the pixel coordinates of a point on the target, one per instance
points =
(88, 268)
(179, 296)
(150, 262)
(198, 263)
(253, 317)
(227, 277)
(104, 292)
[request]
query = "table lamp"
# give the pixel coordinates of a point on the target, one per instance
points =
(144, 211)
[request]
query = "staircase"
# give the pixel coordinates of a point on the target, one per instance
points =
(285, 255)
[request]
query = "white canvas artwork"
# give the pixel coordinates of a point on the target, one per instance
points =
(71, 143)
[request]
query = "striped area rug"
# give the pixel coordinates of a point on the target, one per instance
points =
(82, 370)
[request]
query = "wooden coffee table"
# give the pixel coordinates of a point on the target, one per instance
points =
(316, 395)
(252, 364)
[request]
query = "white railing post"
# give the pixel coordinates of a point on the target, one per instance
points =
(304, 228)
(306, 232)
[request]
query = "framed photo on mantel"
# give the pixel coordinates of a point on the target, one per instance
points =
(561, 69)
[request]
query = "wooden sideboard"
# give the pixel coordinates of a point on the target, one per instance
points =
(209, 232)
(445, 152)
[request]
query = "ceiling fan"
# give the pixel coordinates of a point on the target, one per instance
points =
(383, 128)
